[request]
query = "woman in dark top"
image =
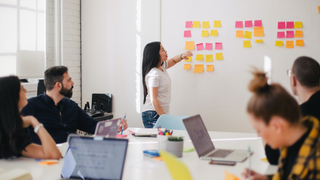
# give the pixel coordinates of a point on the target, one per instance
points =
(276, 117)
(14, 140)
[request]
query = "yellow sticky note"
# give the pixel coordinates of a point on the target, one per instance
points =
(228, 176)
(205, 33)
(186, 66)
(219, 56)
(199, 57)
(214, 33)
(198, 68)
(258, 32)
(264, 159)
(298, 34)
(217, 24)
(196, 24)
(279, 43)
(299, 42)
(259, 40)
(210, 68)
(48, 162)
(189, 45)
(205, 24)
(209, 58)
(177, 169)
(189, 59)
(239, 34)
(247, 34)
(246, 44)
(297, 24)
(289, 44)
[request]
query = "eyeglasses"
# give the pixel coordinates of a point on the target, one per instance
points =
(289, 72)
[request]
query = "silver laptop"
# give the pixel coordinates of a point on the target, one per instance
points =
(108, 128)
(204, 146)
(94, 158)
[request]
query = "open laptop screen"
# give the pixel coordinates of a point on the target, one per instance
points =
(87, 158)
(199, 135)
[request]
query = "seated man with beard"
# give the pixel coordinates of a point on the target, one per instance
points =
(56, 111)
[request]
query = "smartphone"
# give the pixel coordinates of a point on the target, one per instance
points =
(226, 163)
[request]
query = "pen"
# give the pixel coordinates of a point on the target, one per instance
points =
(123, 122)
(249, 159)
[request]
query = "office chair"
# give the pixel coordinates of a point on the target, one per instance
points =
(41, 88)
(170, 122)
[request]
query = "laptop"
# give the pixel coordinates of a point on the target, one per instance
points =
(94, 158)
(108, 128)
(204, 146)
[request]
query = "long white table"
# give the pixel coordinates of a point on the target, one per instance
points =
(139, 167)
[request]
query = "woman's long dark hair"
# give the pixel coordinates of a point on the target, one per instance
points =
(13, 137)
(151, 59)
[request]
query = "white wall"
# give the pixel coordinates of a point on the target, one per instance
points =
(113, 36)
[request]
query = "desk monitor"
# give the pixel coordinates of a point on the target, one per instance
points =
(94, 158)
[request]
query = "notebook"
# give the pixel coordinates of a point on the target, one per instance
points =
(94, 158)
(204, 146)
(146, 133)
(108, 128)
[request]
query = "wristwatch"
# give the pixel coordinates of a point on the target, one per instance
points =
(36, 129)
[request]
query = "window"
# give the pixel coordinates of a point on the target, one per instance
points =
(22, 38)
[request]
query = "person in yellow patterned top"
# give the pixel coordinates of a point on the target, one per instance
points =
(276, 116)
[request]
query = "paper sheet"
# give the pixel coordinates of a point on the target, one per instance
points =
(239, 34)
(281, 34)
(187, 33)
(198, 68)
(196, 24)
(247, 34)
(189, 59)
(214, 33)
(210, 68)
(297, 24)
(217, 24)
(187, 67)
(279, 43)
(248, 23)
(205, 24)
(246, 44)
(239, 24)
(209, 58)
(258, 32)
(281, 25)
(189, 45)
(290, 25)
(290, 34)
(219, 56)
(199, 57)
(298, 34)
(208, 46)
(189, 24)
(289, 44)
(299, 42)
(205, 33)
(218, 45)
(258, 23)
(200, 47)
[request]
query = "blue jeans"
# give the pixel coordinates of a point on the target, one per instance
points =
(149, 118)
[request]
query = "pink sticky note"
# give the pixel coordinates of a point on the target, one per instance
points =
(290, 25)
(290, 34)
(218, 45)
(208, 46)
(239, 24)
(187, 33)
(121, 136)
(200, 47)
(281, 25)
(258, 23)
(248, 24)
(189, 24)
(280, 34)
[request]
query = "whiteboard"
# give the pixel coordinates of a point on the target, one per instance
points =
(221, 96)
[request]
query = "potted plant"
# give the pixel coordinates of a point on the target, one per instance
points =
(175, 145)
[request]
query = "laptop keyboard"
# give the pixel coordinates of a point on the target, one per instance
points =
(221, 153)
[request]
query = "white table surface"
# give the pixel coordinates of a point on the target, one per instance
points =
(139, 167)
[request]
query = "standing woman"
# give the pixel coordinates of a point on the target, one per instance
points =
(276, 116)
(14, 140)
(156, 82)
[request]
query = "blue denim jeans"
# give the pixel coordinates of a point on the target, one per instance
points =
(149, 118)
